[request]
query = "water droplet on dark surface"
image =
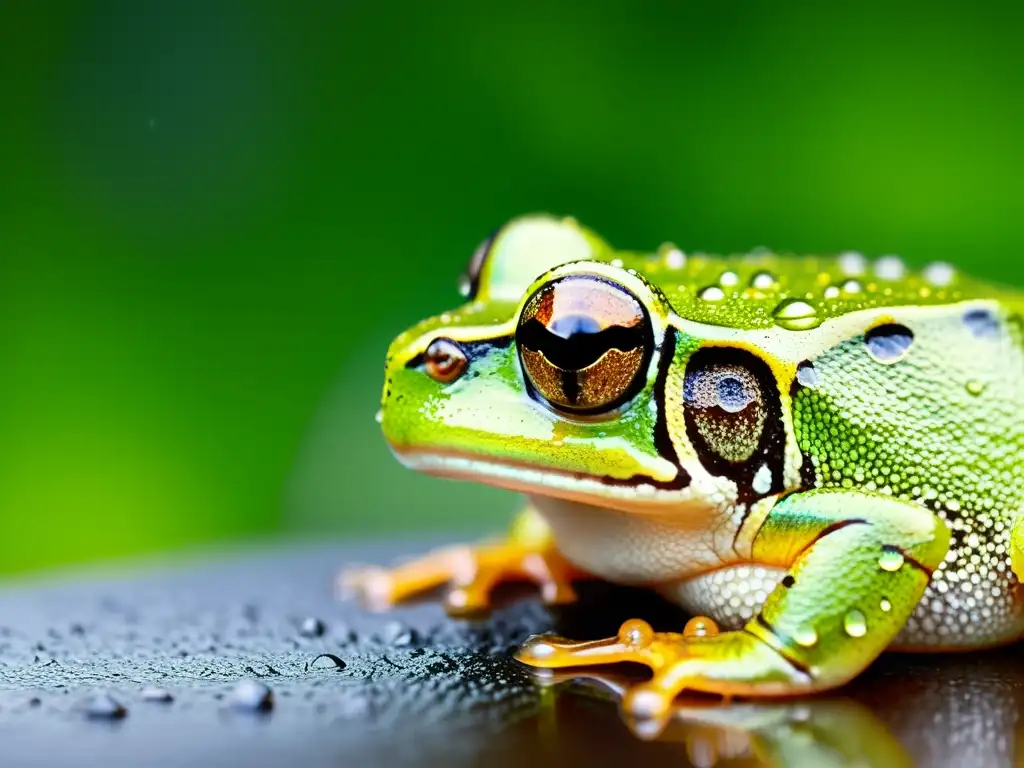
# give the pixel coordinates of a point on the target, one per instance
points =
(396, 633)
(330, 661)
(158, 695)
(312, 627)
(253, 696)
(103, 706)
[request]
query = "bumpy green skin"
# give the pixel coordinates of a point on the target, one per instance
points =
(952, 443)
(884, 476)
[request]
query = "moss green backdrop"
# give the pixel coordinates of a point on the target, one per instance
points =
(214, 215)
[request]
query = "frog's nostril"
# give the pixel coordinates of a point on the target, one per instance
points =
(444, 361)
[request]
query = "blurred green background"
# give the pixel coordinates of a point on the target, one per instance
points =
(213, 216)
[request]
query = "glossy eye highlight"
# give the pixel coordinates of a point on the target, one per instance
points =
(583, 342)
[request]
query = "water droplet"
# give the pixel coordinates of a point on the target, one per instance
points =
(832, 292)
(673, 257)
(728, 278)
(636, 633)
(853, 263)
(806, 637)
(329, 661)
(975, 387)
(807, 375)
(939, 273)
(465, 286)
(312, 627)
(889, 343)
(379, 417)
(796, 315)
(851, 286)
(617, 263)
(855, 624)
(253, 696)
(103, 706)
(157, 695)
(396, 633)
(891, 560)
(763, 281)
(885, 605)
(982, 323)
(762, 482)
(890, 268)
(712, 293)
(700, 626)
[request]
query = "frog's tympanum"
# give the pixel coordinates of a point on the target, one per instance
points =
(822, 455)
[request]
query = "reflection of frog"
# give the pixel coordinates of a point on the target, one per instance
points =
(821, 732)
(821, 454)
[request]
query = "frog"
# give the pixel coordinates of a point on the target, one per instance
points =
(819, 458)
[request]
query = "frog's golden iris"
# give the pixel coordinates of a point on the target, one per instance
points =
(584, 342)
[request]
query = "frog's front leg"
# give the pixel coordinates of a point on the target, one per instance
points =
(857, 565)
(528, 553)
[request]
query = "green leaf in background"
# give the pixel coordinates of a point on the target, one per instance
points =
(214, 215)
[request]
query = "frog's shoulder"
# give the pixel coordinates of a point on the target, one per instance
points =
(764, 289)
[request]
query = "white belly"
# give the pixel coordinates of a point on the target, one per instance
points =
(625, 547)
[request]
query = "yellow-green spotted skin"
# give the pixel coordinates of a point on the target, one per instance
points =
(823, 454)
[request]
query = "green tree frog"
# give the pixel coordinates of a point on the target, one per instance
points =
(821, 458)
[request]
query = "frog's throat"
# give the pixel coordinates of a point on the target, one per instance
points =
(640, 494)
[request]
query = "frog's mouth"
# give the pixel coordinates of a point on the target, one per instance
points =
(637, 492)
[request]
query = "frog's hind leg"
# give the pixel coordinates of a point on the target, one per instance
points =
(527, 554)
(857, 565)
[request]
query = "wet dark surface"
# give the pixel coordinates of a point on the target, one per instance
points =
(249, 660)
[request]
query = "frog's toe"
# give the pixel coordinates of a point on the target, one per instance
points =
(698, 659)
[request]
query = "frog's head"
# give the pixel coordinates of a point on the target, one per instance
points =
(568, 375)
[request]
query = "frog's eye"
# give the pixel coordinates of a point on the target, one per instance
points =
(584, 342)
(725, 404)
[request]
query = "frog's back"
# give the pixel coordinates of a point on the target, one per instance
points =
(764, 290)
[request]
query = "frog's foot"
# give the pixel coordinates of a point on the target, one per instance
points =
(473, 573)
(698, 659)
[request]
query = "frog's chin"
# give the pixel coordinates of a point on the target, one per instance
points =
(632, 496)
